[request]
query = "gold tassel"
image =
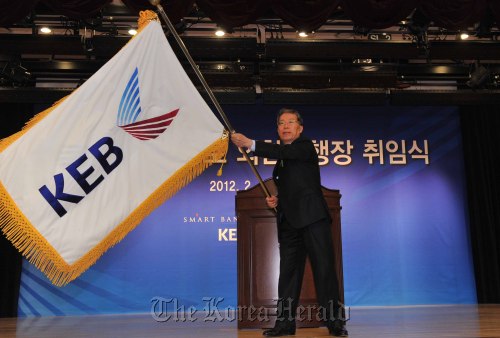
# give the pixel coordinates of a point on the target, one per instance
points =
(28, 240)
(145, 17)
(225, 135)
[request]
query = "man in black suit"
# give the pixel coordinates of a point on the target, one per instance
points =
(303, 224)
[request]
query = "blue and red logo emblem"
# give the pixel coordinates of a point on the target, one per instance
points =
(130, 110)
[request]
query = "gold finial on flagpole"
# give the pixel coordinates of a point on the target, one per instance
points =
(146, 17)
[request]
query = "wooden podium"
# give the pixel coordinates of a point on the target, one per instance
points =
(258, 261)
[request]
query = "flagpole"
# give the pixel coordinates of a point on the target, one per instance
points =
(198, 73)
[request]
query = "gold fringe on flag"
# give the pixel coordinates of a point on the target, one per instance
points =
(4, 143)
(28, 240)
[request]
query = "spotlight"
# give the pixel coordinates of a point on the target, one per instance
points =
(496, 80)
(478, 77)
(417, 26)
(132, 31)
(88, 44)
(464, 36)
(15, 74)
(223, 30)
(45, 30)
(303, 34)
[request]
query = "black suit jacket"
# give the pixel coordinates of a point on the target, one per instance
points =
(296, 174)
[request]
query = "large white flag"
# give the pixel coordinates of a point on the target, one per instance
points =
(85, 172)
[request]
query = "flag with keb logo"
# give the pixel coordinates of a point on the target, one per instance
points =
(86, 171)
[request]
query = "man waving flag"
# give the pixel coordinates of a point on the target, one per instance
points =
(86, 171)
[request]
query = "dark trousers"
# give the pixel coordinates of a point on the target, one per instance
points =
(295, 245)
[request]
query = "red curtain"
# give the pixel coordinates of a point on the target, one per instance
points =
(233, 13)
(495, 9)
(306, 15)
(13, 11)
(76, 9)
(175, 9)
(378, 13)
(453, 14)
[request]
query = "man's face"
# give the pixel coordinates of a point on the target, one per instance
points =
(289, 128)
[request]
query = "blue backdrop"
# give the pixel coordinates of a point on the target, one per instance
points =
(404, 220)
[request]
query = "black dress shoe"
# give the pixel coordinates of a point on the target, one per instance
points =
(338, 329)
(279, 331)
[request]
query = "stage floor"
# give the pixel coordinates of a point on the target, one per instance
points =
(402, 322)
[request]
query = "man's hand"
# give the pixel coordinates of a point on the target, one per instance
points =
(241, 140)
(272, 202)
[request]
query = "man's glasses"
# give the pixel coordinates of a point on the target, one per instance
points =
(283, 123)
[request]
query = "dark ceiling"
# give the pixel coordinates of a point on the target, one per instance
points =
(412, 62)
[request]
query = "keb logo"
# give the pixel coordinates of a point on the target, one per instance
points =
(106, 153)
(130, 110)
